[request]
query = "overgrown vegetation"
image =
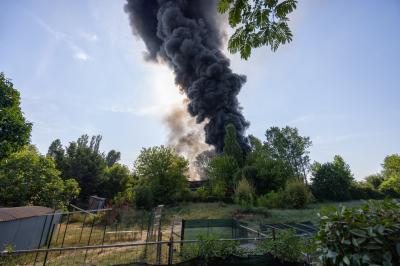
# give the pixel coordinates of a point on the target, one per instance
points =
(361, 236)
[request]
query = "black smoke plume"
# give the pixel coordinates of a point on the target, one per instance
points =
(186, 35)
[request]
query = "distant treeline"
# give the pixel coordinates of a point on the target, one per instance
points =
(274, 173)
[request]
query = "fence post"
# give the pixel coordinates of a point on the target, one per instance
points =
(182, 231)
(90, 236)
(48, 245)
(83, 226)
(65, 231)
(170, 251)
(273, 238)
(41, 237)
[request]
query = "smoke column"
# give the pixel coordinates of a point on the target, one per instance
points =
(185, 35)
(187, 138)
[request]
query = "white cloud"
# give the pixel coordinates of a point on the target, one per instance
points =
(82, 56)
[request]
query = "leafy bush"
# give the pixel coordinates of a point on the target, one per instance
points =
(364, 190)
(286, 246)
(29, 178)
(221, 170)
(244, 194)
(272, 200)
(331, 180)
(361, 236)
(296, 195)
(164, 172)
(209, 247)
(391, 186)
(375, 180)
(202, 193)
(144, 197)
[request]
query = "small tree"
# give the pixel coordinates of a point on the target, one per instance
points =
(15, 131)
(288, 146)
(244, 194)
(231, 145)
(112, 157)
(296, 195)
(164, 172)
(57, 152)
(391, 186)
(374, 180)
(391, 165)
(221, 171)
(116, 179)
(331, 180)
(84, 162)
(28, 178)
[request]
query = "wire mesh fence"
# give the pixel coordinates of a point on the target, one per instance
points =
(103, 238)
(153, 253)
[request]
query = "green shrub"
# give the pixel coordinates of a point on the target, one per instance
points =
(244, 194)
(331, 180)
(296, 195)
(272, 200)
(361, 236)
(287, 247)
(391, 186)
(202, 193)
(209, 247)
(364, 190)
(144, 197)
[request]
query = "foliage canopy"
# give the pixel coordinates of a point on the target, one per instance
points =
(15, 131)
(257, 23)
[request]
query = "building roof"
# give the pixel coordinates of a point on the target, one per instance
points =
(9, 214)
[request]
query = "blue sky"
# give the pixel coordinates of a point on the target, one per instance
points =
(80, 70)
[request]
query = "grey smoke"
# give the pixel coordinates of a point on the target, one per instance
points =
(185, 34)
(187, 138)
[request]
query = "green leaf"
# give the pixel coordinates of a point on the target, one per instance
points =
(346, 260)
(358, 232)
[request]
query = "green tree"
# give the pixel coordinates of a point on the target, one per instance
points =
(391, 186)
(15, 131)
(164, 172)
(244, 194)
(391, 165)
(331, 180)
(116, 179)
(221, 171)
(257, 23)
(28, 178)
(374, 180)
(265, 172)
(231, 145)
(86, 164)
(57, 152)
(288, 146)
(112, 157)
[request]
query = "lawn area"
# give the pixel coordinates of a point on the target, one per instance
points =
(254, 216)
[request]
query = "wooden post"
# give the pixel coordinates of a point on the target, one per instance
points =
(170, 250)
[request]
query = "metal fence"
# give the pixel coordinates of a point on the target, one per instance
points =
(221, 228)
(102, 238)
(153, 253)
